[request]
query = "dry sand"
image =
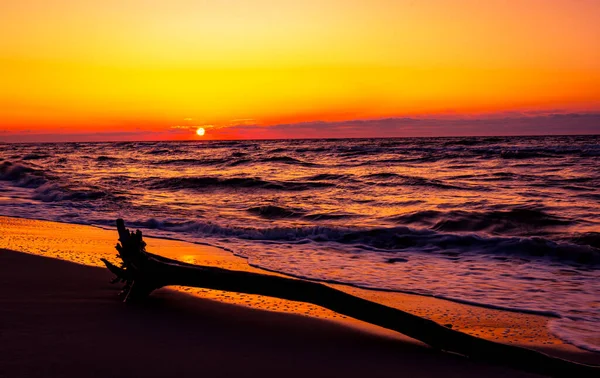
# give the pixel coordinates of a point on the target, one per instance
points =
(64, 319)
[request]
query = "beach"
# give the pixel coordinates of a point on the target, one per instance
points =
(61, 316)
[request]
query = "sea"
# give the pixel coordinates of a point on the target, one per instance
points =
(504, 222)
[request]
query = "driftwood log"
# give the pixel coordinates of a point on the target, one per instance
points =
(143, 272)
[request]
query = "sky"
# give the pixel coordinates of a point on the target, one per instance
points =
(151, 70)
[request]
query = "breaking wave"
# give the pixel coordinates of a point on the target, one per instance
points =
(513, 221)
(22, 175)
(46, 188)
(393, 239)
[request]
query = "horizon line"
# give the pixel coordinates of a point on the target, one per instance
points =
(309, 138)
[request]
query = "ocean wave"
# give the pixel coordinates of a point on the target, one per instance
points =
(469, 141)
(325, 177)
(273, 212)
(397, 239)
(122, 144)
(285, 160)
(384, 175)
(106, 158)
(238, 162)
(201, 182)
(514, 221)
(525, 154)
(162, 151)
(394, 179)
(272, 159)
(35, 156)
(360, 151)
(303, 150)
(277, 212)
(22, 175)
(501, 176)
(53, 192)
(410, 159)
(190, 161)
(575, 332)
(237, 144)
(46, 188)
(587, 238)
(334, 215)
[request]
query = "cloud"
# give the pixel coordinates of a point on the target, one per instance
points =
(514, 124)
(242, 122)
(497, 124)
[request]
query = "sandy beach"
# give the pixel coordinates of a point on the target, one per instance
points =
(63, 318)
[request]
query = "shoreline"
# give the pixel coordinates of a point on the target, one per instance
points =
(86, 244)
(548, 314)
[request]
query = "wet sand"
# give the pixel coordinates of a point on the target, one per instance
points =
(53, 306)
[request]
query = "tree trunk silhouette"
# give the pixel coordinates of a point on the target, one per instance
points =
(143, 272)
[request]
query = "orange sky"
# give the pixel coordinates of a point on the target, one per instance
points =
(83, 66)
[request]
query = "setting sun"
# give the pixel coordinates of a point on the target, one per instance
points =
(200, 131)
